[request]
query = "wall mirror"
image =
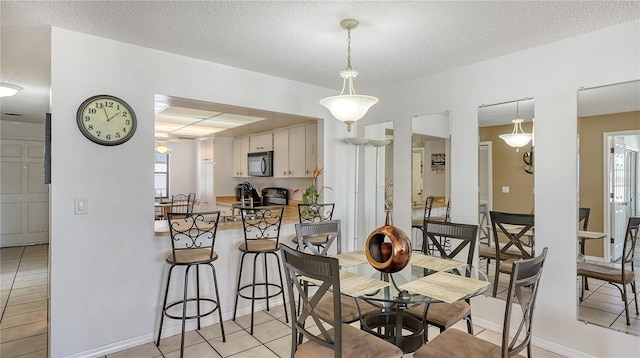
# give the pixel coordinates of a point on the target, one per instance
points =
(505, 178)
(378, 174)
(430, 174)
(608, 194)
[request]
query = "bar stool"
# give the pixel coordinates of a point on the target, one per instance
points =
(192, 241)
(310, 213)
(261, 236)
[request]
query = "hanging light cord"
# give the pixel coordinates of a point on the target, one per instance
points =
(348, 49)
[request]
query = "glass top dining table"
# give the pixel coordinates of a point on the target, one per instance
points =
(425, 280)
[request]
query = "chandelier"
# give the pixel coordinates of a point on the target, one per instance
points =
(518, 138)
(348, 108)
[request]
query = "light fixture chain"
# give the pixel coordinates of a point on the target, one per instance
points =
(348, 49)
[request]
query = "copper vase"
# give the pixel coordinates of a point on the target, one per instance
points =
(388, 256)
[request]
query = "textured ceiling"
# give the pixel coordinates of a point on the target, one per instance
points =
(300, 40)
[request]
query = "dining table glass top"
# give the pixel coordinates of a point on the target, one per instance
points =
(426, 279)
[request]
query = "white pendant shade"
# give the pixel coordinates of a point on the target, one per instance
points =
(162, 149)
(7, 89)
(348, 108)
(518, 138)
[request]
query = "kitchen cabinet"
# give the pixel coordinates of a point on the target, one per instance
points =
(289, 152)
(240, 149)
(311, 148)
(261, 143)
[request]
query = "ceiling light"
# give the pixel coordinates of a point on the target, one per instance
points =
(348, 108)
(518, 138)
(162, 148)
(7, 89)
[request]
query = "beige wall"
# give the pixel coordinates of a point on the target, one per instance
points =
(590, 131)
(508, 171)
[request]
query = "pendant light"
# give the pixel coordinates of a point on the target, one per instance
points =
(348, 108)
(7, 89)
(162, 147)
(518, 138)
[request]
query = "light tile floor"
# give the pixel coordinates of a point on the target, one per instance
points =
(23, 327)
(602, 304)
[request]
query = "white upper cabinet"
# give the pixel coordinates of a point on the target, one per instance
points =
(289, 152)
(240, 151)
(311, 148)
(261, 143)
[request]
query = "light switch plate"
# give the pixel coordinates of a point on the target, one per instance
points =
(80, 206)
(505, 189)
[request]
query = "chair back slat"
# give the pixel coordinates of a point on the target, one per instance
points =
(182, 203)
(583, 217)
(518, 229)
(262, 223)
(196, 231)
(465, 234)
(329, 229)
(629, 246)
(523, 290)
(428, 205)
(325, 272)
(315, 212)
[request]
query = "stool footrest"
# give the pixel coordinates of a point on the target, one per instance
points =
(181, 302)
(263, 297)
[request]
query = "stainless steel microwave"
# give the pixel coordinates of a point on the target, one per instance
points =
(260, 164)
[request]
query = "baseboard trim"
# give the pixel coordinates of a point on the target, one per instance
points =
(538, 342)
(171, 328)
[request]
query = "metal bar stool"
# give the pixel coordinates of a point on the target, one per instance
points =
(192, 241)
(261, 235)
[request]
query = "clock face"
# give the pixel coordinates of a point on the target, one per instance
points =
(106, 120)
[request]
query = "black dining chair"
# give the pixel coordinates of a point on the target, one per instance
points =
(310, 213)
(444, 315)
(519, 242)
(524, 277)
(335, 338)
(619, 275)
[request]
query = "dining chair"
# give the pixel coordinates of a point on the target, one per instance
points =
(444, 315)
(192, 245)
(306, 232)
(180, 204)
(261, 227)
(454, 343)
(335, 338)
(520, 242)
(619, 274)
(309, 213)
(418, 223)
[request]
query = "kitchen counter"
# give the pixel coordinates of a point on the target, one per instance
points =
(224, 204)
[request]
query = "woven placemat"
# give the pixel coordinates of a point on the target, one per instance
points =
(445, 287)
(434, 263)
(355, 285)
(353, 258)
(352, 284)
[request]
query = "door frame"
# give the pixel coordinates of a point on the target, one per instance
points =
(606, 212)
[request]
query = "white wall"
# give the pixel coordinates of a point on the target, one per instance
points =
(107, 266)
(104, 267)
(550, 74)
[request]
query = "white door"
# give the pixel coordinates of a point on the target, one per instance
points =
(416, 176)
(485, 182)
(619, 208)
(24, 198)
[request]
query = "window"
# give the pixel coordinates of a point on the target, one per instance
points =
(161, 185)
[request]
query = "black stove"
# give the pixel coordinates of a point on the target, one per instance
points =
(275, 196)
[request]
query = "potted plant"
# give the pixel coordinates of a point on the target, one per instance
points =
(311, 194)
